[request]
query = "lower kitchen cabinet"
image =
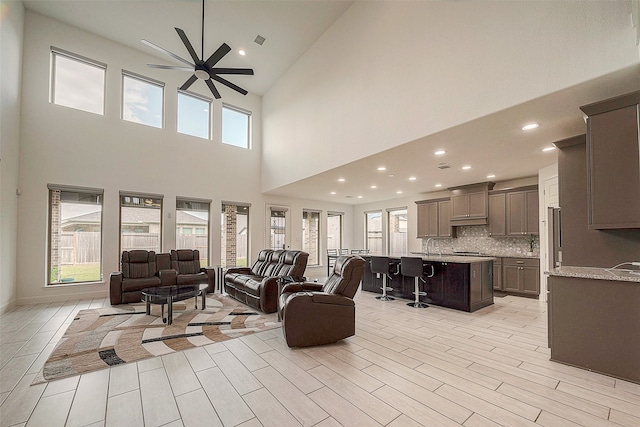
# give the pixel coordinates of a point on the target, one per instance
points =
(521, 275)
(497, 274)
(461, 286)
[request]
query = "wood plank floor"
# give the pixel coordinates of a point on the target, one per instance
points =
(404, 367)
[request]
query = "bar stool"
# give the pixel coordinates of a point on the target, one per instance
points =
(380, 265)
(413, 267)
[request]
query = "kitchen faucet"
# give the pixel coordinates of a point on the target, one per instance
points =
(429, 241)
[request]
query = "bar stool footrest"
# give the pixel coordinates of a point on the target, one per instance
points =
(385, 298)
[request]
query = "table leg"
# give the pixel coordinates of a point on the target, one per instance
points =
(164, 319)
(147, 301)
(170, 310)
(204, 298)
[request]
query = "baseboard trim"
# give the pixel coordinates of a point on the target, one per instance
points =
(63, 297)
(8, 307)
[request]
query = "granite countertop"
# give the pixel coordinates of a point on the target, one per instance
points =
(595, 273)
(445, 258)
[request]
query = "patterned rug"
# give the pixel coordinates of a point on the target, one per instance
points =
(104, 337)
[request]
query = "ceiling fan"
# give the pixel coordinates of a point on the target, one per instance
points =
(201, 69)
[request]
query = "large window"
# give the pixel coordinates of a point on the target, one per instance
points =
(397, 226)
(75, 235)
(140, 222)
(334, 230)
(142, 100)
(236, 125)
(192, 226)
(77, 82)
(235, 232)
(373, 231)
(277, 228)
(194, 113)
(311, 235)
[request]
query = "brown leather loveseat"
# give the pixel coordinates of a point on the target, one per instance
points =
(141, 269)
(316, 314)
(258, 286)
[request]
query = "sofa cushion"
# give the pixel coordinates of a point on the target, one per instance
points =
(261, 264)
(188, 279)
(185, 261)
(133, 285)
(138, 264)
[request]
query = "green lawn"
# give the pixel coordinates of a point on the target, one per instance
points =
(80, 273)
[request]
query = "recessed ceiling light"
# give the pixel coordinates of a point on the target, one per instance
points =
(333, 193)
(438, 185)
(242, 52)
(398, 192)
(491, 176)
(359, 197)
(467, 167)
(530, 126)
(382, 168)
(548, 148)
(439, 152)
(412, 178)
(341, 180)
(374, 186)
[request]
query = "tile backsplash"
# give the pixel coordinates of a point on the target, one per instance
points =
(476, 238)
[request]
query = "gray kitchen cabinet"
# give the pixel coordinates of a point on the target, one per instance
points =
(469, 204)
(521, 275)
(497, 274)
(522, 212)
(434, 218)
(613, 162)
(498, 215)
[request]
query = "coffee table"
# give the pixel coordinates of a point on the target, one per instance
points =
(169, 294)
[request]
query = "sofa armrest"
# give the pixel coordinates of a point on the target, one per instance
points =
(211, 279)
(302, 287)
(115, 288)
(168, 277)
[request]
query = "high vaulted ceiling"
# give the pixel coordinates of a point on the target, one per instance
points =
(494, 144)
(289, 27)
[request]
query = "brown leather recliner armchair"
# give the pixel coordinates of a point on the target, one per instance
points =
(186, 263)
(316, 314)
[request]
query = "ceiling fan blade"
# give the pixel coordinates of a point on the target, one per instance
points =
(213, 89)
(229, 84)
(189, 82)
(243, 71)
(187, 44)
(171, 67)
(217, 55)
(166, 52)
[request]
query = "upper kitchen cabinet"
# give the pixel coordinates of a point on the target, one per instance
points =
(613, 162)
(522, 212)
(469, 204)
(513, 212)
(434, 218)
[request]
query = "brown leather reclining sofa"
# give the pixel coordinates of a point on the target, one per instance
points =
(141, 269)
(258, 286)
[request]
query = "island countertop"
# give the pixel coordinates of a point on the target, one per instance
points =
(594, 273)
(441, 258)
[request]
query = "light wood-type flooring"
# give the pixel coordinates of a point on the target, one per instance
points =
(404, 367)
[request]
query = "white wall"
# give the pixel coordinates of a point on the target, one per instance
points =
(548, 174)
(65, 146)
(387, 73)
(11, 31)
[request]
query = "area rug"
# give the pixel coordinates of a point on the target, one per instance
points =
(105, 337)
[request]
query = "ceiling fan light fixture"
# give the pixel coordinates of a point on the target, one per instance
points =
(201, 74)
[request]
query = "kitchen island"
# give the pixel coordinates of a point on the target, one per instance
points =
(459, 282)
(594, 320)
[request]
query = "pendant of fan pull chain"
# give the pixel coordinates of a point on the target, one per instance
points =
(202, 69)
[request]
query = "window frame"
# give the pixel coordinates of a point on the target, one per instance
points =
(132, 194)
(57, 52)
(195, 201)
(249, 115)
(306, 235)
(269, 216)
(388, 234)
(70, 189)
(331, 214)
(366, 231)
(199, 97)
(223, 235)
(147, 80)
